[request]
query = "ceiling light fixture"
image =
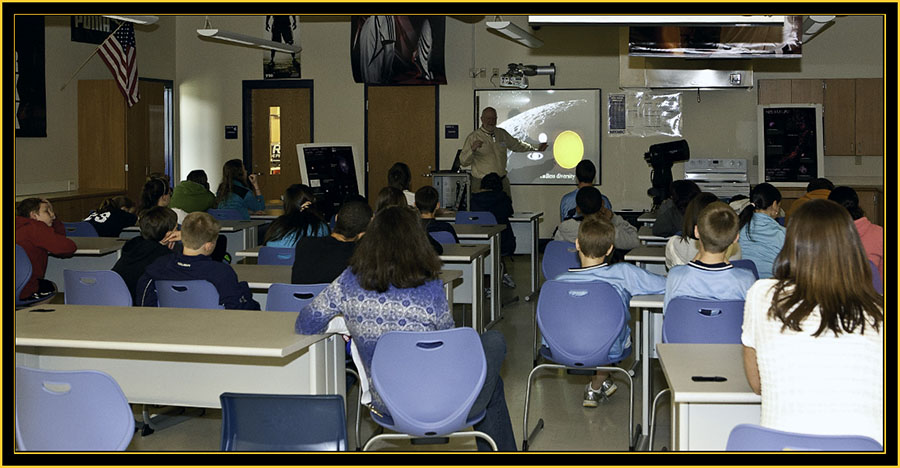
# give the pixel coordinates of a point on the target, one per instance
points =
(244, 39)
(135, 19)
(514, 32)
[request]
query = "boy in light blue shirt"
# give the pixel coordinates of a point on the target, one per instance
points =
(594, 244)
(709, 275)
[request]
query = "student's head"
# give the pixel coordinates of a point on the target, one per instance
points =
(492, 183)
(596, 237)
(692, 213)
(764, 198)
(823, 263)
(37, 209)
(395, 251)
(352, 218)
(489, 119)
(119, 202)
(399, 176)
(847, 197)
(819, 184)
(232, 171)
(717, 227)
(588, 200)
(295, 196)
(427, 199)
(389, 196)
(198, 176)
(156, 222)
(585, 172)
(683, 191)
(198, 229)
(155, 193)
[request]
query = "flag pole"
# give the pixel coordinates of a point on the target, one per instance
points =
(86, 60)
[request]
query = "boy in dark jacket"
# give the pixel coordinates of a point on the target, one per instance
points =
(138, 253)
(40, 234)
(427, 204)
(492, 198)
(198, 236)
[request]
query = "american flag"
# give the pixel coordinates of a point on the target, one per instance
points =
(119, 51)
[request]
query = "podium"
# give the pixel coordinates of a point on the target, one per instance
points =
(453, 188)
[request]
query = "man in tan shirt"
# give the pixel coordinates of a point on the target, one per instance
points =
(485, 150)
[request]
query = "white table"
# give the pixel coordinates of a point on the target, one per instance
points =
(468, 260)
(92, 253)
(704, 413)
(647, 218)
(648, 332)
(240, 234)
(486, 234)
(645, 234)
(182, 357)
(650, 257)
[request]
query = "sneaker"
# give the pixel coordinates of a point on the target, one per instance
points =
(508, 281)
(592, 397)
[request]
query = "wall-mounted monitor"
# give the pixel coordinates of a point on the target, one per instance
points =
(568, 120)
(329, 169)
(790, 148)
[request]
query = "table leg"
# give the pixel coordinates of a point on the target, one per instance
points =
(645, 372)
(478, 294)
(496, 313)
(534, 259)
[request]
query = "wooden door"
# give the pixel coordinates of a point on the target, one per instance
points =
(101, 135)
(839, 116)
(774, 91)
(806, 92)
(145, 131)
(280, 120)
(869, 117)
(401, 126)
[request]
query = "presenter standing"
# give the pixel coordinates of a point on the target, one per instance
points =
(485, 150)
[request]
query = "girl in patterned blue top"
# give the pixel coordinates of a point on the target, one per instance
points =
(392, 284)
(300, 219)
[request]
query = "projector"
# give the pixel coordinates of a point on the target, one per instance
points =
(513, 81)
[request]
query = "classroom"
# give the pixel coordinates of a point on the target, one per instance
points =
(220, 88)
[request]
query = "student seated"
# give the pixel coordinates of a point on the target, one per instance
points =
(761, 236)
(154, 193)
(322, 259)
(589, 203)
(234, 192)
(493, 199)
(818, 189)
(680, 250)
(595, 241)
(709, 275)
(139, 252)
(192, 195)
(389, 289)
(40, 234)
(399, 177)
(198, 236)
(427, 203)
(113, 215)
(392, 196)
(585, 172)
(814, 333)
(300, 219)
(670, 214)
(872, 235)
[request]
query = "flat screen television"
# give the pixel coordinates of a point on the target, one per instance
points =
(790, 147)
(329, 169)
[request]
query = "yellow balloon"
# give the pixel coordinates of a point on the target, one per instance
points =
(568, 149)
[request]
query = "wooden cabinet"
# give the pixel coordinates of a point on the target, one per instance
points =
(853, 110)
(870, 200)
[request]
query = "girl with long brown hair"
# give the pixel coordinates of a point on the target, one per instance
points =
(238, 191)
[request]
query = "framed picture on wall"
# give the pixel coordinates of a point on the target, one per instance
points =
(791, 153)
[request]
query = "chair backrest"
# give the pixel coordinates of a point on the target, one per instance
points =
(559, 256)
(580, 321)
(80, 229)
(442, 237)
(688, 320)
(100, 287)
(876, 278)
(262, 422)
(747, 264)
(276, 255)
(225, 214)
(291, 297)
(475, 217)
(71, 411)
(450, 364)
(750, 437)
(191, 294)
(23, 270)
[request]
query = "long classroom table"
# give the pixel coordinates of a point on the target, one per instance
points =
(92, 253)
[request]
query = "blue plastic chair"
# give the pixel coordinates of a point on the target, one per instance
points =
(71, 411)
(276, 255)
(475, 217)
(225, 214)
(101, 287)
(580, 322)
(80, 229)
(23, 271)
(450, 364)
(559, 256)
(442, 237)
(289, 423)
(291, 297)
(876, 278)
(191, 294)
(747, 264)
(753, 438)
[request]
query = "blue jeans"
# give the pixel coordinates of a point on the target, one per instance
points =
(492, 399)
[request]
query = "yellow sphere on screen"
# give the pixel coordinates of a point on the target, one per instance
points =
(568, 149)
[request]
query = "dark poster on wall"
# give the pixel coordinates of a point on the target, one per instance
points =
(91, 29)
(31, 100)
(397, 50)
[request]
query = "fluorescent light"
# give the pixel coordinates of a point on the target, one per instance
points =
(636, 20)
(515, 33)
(813, 25)
(250, 40)
(135, 19)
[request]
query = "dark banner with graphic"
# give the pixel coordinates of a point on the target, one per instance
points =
(31, 99)
(92, 29)
(395, 50)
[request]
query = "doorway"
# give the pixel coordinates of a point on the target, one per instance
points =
(277, 117)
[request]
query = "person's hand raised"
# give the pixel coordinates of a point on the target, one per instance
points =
(477, 144)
